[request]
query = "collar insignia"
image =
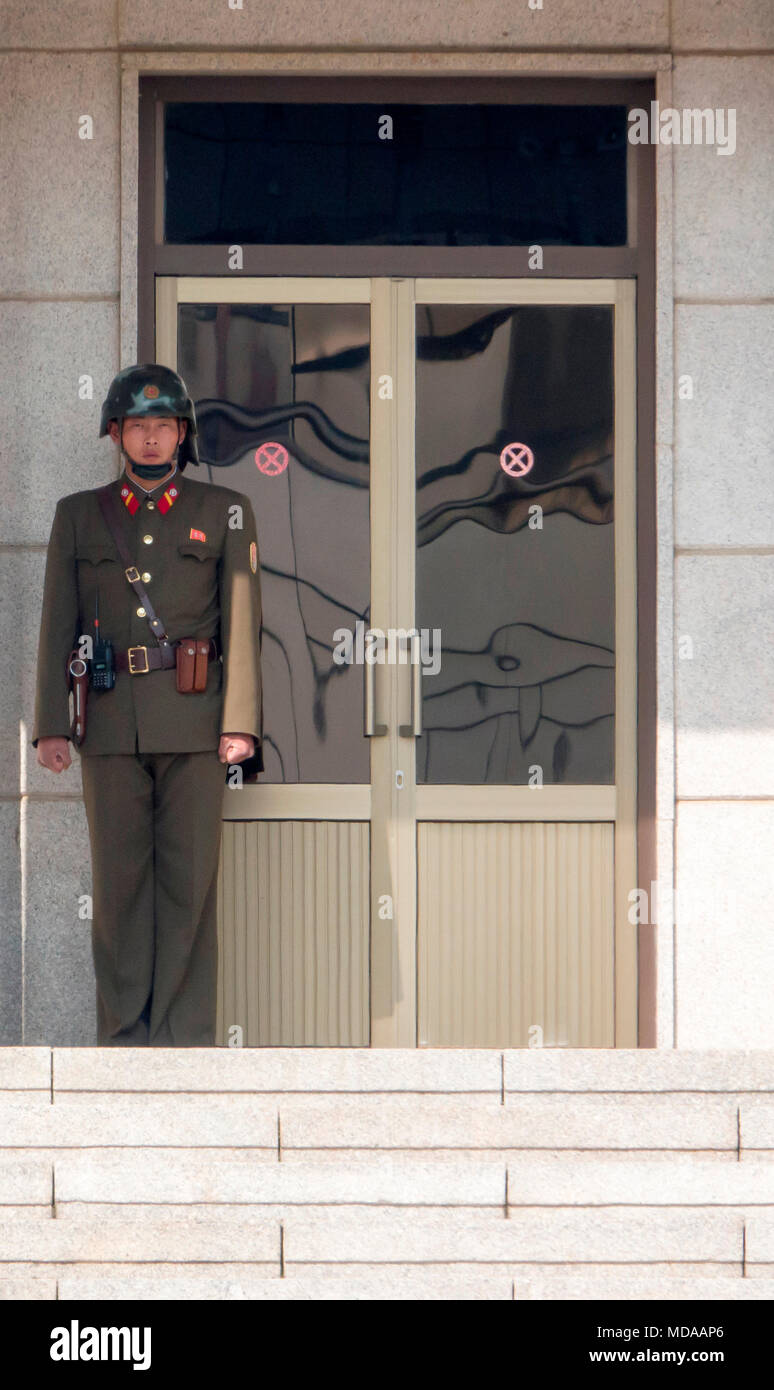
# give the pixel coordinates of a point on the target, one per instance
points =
(129, 499)
(168, 500)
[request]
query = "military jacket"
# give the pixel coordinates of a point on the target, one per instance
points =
(196, 547)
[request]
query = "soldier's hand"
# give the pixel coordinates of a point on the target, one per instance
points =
(54, 753)
(234, 748)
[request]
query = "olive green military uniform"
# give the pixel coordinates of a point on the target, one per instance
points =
(153, 784)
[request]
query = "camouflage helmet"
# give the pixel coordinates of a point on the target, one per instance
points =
(152, 389)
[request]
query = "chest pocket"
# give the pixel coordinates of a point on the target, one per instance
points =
(200, 549)
(95, 554)
(196, 581)
(101, 581)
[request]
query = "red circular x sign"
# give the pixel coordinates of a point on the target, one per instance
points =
(272, 458)
(517, 459)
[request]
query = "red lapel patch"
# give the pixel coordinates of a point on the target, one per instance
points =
(168, 500)
(129, 499)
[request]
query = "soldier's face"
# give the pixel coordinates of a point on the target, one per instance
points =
(149, 438)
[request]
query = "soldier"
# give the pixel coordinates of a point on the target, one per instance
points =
(163, 715)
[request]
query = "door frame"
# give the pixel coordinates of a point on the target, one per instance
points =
(636, 260)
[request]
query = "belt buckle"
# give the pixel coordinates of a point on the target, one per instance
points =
(132, 574)
(137, 670)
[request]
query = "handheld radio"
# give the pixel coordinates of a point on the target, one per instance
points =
(103, 669)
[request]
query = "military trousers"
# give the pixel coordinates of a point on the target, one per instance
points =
(155, 822)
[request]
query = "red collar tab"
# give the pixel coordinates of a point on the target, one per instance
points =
(168, 500)
(129, 499)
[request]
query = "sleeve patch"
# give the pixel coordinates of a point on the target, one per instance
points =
(253, 556)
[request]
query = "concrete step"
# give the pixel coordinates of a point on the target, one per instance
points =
(624, 1285)
(305, 1069)
(579, 1121)
(404, 1282)
(236, 1281)
(282, 1070)
(231, 1175)
(350, 1173)
(206, 1176)
(27, 1287)
(388, 1283)
(353, 1234)
(26, 1068)
(25, 1179)
(530, 1235)
(364, 1159)
(216, 1234)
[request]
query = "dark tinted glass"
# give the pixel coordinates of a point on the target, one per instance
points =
(515, 563)
(449, 175)
(282, 404)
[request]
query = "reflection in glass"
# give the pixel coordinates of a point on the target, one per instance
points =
(295, 377)
(516, 569)
(441, 174)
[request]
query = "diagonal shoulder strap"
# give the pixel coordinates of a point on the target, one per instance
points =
(107, 507)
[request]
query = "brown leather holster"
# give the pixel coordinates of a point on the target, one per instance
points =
(78, 685)
(193, 655)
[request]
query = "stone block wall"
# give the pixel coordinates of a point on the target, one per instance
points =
(65, 270)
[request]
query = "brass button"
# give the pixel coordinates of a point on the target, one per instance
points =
(140, 612)
(150, 506)
(146, 578)
(148, 540)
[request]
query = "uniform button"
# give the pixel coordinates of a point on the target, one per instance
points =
(146, 578)
(140, 612)
(150, 506)
(148, 540)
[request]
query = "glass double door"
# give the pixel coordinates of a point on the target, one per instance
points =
(441, 848)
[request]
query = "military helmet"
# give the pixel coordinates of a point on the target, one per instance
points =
(152, 389)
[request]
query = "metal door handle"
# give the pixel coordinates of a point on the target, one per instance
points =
(370, 729)
(414, 729)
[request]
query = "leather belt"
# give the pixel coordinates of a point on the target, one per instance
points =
(138, 661)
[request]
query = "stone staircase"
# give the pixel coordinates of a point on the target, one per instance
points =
(303, 1173)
